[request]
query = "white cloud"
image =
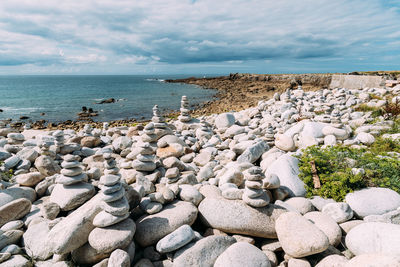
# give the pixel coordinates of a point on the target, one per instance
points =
(126, 33)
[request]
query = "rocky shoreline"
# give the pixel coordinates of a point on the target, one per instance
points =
(214, 190)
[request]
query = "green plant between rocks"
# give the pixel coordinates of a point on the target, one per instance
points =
(334, 166)
(5, 176)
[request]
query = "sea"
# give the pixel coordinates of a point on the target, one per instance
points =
(60, 98)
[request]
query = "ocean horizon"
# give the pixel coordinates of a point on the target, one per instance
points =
(61, 97)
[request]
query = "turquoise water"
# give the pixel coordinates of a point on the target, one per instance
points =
(61, 97)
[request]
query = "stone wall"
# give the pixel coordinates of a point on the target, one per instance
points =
(356, 81)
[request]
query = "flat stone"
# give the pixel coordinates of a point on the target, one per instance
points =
(12, 225)
(260, 201)
(14, 210)
(112, 237)
(12, 249)
(175, 240)
(253, 153)
(191, 194)
(72, 171)
(143, 166)
(109, 179)
(29, 179)
(110, 189)
(236, 217)
(70, 164)
(153, 207)
(242, 254)
(298, 236)
(151, 228)
(204, 252)
(104, 219)
(10, 237)
(374, 237)
(284, 142)
(373, 201)
(301, 204)
(66, 180)
(69, 197)
(16, 261)
(35, 243)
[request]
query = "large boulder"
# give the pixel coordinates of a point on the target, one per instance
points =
(373, 201)
(12, 193)
(73, 231)
(14, 210)
(204, 252)
(69, 197)
(35, 241)
(253, 153)
(236, 217)
(224, 120)
(298, 236)
(287, 169)
(47, 166)
(151, 228)
(242, 254)
(374, 237)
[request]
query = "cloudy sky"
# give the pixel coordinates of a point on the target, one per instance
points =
(197, 36)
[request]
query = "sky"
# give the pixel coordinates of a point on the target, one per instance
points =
(198, 36)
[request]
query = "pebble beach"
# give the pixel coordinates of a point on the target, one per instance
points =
(220, 189)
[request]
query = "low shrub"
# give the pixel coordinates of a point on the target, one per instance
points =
(334, 168)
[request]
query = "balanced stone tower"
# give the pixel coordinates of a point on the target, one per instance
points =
(144, 161)
(185, 112)
(270, 135)
(59, 140)
(254, 195)
(114, 229)
(71, 189)
(160, 126)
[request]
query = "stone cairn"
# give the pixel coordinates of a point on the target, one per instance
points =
(270, 135)
(144, 161)
(160, 126)
(87, 130)
(44, 147)
(106, 126)
(185, 112)
(71, 172)
(335, 116)
(59, 140)
(253, 194)
(114, 203)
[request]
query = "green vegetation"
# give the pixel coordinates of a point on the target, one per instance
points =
(376, 112)
(334, 168)
(5, 176)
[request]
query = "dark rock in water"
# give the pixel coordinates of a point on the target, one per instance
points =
(107, 101)
(1, 110)
(23, 117)
(84, 109)
(42, 113)
(91, 110)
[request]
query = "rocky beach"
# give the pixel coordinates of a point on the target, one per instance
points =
(281, 171)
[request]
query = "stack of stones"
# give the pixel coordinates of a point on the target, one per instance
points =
(71, 189)
(15, 138)
(160, 126)
(87, 130)
(254, 195)
(106, 126)
(144, 161)
(185, 116)
(114, 229)
(172, 175)
(269, 135)
(203, 133)
(114, 203)
(59, 140)
(335, 116)
(45, 149)
(71, 172)
(149, 134)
